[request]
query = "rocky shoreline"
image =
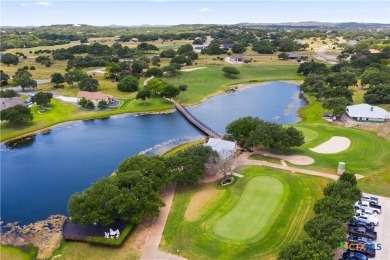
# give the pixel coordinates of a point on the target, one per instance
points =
(46, 235)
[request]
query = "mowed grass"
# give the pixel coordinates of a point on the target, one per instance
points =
(27, 252)
(211, 80)
(59, 112)
(368, 155)
(196, 239)
(255, 208)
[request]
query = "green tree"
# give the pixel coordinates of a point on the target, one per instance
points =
(3, 78)
(326, 229)
(337, 208)
(343, 190)
(169, 53)
(213, 49)
(187, 167)
(348, 177)
(238, 48)
(170, 70)
(230, 71)
(183, 88)
(57, 78)
(8, 93)
(139, 65)
(42, 98)
(17, 115)
(89, 84)
(313, 67)
(128, 84)
(378, 94)
(169, 91)
(23, 78)
(144, 94)
(74, 76)
(241, 128)
(336, 105)
(155, 86)
(345, 79)
(102, 104)
(308, 249)
(9, 59)
(185, 49)
(283, 56)
(156, 72)
(375, 77)
(85, 103)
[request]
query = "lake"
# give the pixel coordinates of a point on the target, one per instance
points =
(40, 173)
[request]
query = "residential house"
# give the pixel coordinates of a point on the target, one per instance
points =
(10, 102)
(226, 46)
(225, 149)
(237, 59)
(293, 56)
(95, 97)
(367, 113)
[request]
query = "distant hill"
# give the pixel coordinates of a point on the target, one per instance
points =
(314, 24)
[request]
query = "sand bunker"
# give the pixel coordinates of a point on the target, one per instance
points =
(335, 144)
(192, 69)
(294, 159)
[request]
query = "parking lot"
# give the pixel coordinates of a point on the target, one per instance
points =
(383, 229)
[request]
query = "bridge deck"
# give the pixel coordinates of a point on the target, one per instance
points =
(194, 121)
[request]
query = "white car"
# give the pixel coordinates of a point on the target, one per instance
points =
(366, 211)
(369, 199)
(368, 218)
(367, 206)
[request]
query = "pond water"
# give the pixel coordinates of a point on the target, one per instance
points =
(40, 173)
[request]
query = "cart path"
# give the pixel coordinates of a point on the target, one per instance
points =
(151, 250)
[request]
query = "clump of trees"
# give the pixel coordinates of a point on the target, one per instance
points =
(160, 88)
(3, 78)
(134, 189)
(9, 59)
(128, 84)
(23, 78)
(86, 103)
(249, 132)
(17, 115)
(230, 71)
(8, 93)
(89, 84)
(42, 99)
(378, 95)
(326, 229)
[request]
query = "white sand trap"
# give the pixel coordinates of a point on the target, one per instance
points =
(294, 159)
(335, 144)
(192, 69)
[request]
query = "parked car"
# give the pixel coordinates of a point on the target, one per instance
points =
(363, 249)
(370, 219)
(366, 205)
(349, 255)
(369, 199)
(361, 223)
(366, 211)
(362, 231)
(359, 239)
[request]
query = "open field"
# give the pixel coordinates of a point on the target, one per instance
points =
(197, 239)
(206, 82)
(59, 112)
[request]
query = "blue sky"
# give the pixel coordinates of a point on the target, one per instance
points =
(22, 13)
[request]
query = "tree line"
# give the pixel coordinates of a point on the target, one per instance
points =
(327, 228)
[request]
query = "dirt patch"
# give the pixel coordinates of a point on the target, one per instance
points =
(192, 69)
(142, 229)
(200, 201)
(335, 144)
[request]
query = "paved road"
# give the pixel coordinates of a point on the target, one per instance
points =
(383, 229)
(326, 57)
(150, 250)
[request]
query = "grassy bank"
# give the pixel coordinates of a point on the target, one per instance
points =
(211, 80)
(59, 112)
(196, 238)
(27, 252)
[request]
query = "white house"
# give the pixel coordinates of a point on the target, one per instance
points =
(225, 149)
(367, 113)
(237, 59)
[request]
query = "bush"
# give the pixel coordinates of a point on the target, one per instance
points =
(32, 68)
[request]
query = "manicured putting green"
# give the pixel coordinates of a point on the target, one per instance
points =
(255, 208)
(309, 134)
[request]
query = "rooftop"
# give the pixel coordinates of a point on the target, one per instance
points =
(366, 110)
(222, 147)
(10, 102)
(93, 95)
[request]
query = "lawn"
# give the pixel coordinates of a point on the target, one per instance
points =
(255, 209)
(27, 252)
(206, 82)
(270, 226)
(59, 112)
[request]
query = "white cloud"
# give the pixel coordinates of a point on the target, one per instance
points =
(43, 3)
(24, 5)
(204, 9)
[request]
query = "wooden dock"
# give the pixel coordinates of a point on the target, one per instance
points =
(194, 121)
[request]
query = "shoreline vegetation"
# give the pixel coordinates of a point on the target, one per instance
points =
(36, 129)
